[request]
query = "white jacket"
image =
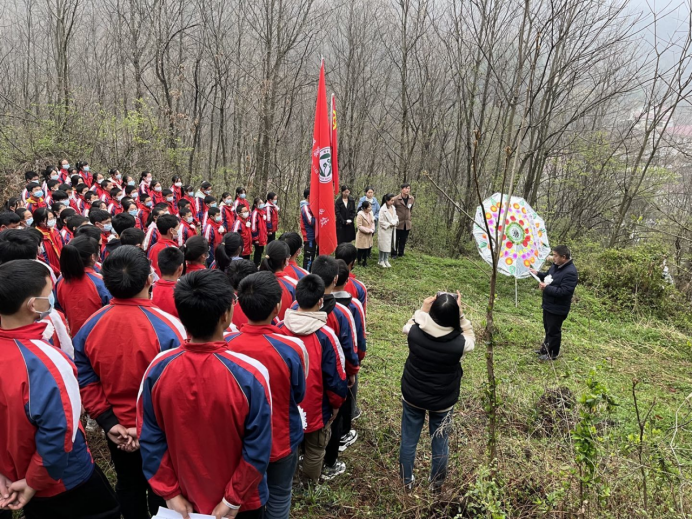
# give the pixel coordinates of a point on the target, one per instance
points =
(387, 222)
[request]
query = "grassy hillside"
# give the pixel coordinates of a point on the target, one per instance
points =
(538, 474)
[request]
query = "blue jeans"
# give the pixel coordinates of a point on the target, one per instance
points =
(438, 426)
(280, 476)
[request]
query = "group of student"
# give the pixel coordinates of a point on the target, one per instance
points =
(219, 386)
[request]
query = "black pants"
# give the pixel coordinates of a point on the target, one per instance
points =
(257, 256)
(340, 426)
(270, 237)
(245, 257)
(362, 255)
(552, 328)
(137, 500)
(401, 235)
(94, 498)
(309, 253)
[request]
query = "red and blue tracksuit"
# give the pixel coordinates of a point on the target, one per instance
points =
(242, 227)
(66, 235)
(41, 437)
(151, 236)
(33, 204)
(359, 319)
(357, 289)
(258, 228)
(326, 384)
(204, 420)
(153, 253)
(295, 271)
(79, 298)
(271, 217)
(307, 223)
(112, 351)
(214, 233)
(228, 216)
(288, 286)
(286, 361)
(162, 296)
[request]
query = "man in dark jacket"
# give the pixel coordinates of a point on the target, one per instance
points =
(556, 298)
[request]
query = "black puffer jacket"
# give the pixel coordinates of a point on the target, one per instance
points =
(432, 372)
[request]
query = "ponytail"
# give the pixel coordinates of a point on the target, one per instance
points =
(194, 248)
(276, 255)
(229, 245)
(76, 256)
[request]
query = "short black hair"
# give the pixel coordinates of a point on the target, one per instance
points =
(209, 199)
(17, 244)
(309, 290)
(346, 251)
(343, 273)
(294, 241)
(404, 185)
(30, 187)
(445, 311)
(205, 184)
(170, 259)
(75, 221)
(8, 218)
(19, 281)
(123, 221)
(99, 215)
(125, 271)
(131, 237)
(271, 195)
(238, 270)
(165, 223)
(562, 250)
(306, 192)
(59, 195)
(326, 268)
(259, 294)
(89, 230)
(202, 297)
(30, 175)
(239, 190)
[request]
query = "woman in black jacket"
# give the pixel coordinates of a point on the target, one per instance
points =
(345, 211)
(438, 336)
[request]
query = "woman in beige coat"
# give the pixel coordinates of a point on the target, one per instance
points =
(387, 222)
(365, 227)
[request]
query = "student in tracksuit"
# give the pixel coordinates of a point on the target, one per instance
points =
(112, 352)
(258, 229)
(286, 361)
(295, 244)
(168, 227)
(45, 461)
(276, 261)
(206, 441)
(341, 320)
(308, 231)
(271, 216)
(80, 290)
(326, 384)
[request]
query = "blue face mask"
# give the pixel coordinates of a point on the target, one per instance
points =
(149, 204)
(133, 212)
(108, 228)
(242, 195)
(213, 205)
(38, 193)
(29, 221)
(260, 206)
(51, 302)
(131, 183)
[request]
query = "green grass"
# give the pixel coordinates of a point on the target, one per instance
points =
(537, 473)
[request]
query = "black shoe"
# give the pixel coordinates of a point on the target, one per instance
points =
(546, 357)
(542, 349)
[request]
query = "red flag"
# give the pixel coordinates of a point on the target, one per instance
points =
(333, 144)
(321, 201)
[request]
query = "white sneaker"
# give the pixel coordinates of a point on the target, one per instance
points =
(387, 264)
(381, 264)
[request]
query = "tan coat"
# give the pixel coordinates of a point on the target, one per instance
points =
(404, 211)
(387, 223)
(365, 227)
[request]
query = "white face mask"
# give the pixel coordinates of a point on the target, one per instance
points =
(178, 184)
(244, 214)
(51, 223)
(188, 219)
(218, 218)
